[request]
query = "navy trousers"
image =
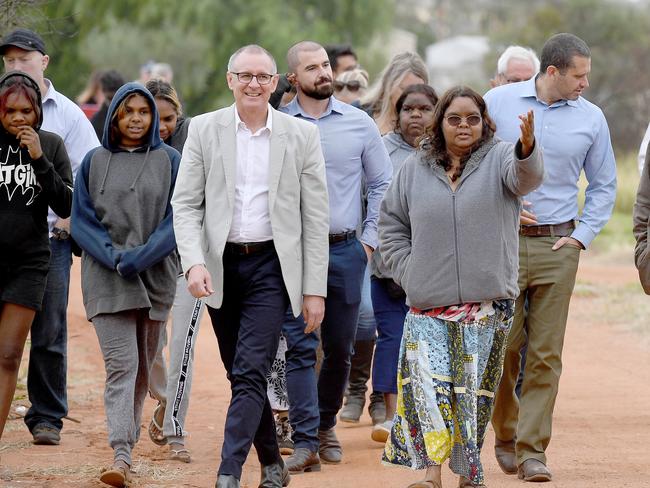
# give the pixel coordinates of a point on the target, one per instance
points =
(314, 404)
(247, 327)
(46, 376)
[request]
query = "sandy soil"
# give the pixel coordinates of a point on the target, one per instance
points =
(601, 428)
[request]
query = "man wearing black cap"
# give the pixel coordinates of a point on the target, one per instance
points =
(24, 50)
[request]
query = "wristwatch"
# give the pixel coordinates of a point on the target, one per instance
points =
(60, 234)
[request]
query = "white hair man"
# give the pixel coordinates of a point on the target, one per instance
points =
(516, 64)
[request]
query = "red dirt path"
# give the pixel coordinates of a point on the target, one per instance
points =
(601, 429)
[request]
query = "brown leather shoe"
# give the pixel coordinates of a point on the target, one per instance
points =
(534, 470)
(330, 450)
(505, 454)
(302, 461)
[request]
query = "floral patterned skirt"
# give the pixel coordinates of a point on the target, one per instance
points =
(447, 375)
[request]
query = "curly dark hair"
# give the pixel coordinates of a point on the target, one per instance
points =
(436, 146)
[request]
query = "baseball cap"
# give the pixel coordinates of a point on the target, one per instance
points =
(23, 39)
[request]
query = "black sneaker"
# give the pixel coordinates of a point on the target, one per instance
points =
(46, 435)
(283, 433)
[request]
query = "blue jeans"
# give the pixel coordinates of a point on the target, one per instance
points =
(313, 404)
(390, 314)
(46, 376)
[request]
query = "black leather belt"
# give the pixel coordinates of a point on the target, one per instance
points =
(343, 236)
(247, 248)
(557, 230)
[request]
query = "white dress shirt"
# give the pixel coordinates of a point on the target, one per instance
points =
(64, 117)
(251, 221)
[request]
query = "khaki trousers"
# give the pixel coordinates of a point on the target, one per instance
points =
(546, 280)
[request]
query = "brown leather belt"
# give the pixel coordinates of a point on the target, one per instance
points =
(556, 230)
(343, 236)
(247, 248)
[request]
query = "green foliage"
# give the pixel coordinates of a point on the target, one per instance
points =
(196, 37)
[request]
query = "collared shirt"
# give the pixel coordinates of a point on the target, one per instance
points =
(573, 136)
(251, 221)
(64, 117)
(354, 152)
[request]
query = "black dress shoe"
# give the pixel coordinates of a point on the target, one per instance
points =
(303, 460)
(275, 475)
(226, 481)
(330, 450)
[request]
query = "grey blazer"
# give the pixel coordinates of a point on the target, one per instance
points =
(203, 201)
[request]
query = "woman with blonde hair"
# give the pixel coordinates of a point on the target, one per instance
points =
(405, 69)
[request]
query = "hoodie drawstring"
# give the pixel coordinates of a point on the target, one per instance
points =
(108, 163)
(146, 158)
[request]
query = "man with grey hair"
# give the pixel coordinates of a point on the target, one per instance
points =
(354, 153)
(251, 222)
(516, 64)
(574, 137)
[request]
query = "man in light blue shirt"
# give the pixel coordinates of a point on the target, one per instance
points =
(354, 152)
(24, 50)
(574, 137)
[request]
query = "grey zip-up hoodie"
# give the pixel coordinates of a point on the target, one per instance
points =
(447, 247)
(122, 219)
(398, 150)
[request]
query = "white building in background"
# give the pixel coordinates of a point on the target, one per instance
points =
(458, 60)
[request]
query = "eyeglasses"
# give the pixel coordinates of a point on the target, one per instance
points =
(262, 78)
(455, 120)
(353, 85)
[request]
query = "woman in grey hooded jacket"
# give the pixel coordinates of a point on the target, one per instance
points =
(448, 231)
(122, 220)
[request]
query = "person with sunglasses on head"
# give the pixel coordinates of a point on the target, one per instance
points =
(448, 233)
(350, 86)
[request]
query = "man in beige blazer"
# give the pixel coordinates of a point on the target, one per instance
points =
(251, 221)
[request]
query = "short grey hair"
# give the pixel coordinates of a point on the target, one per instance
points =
(517, 52)
(255, 49)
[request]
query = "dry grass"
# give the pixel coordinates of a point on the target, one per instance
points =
(142, 469)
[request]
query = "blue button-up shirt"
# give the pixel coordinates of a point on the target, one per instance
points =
(573, 136)
(353, 152)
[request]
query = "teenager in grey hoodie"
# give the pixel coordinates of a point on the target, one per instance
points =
(414, 109)
(448, 231)
(122, 220)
